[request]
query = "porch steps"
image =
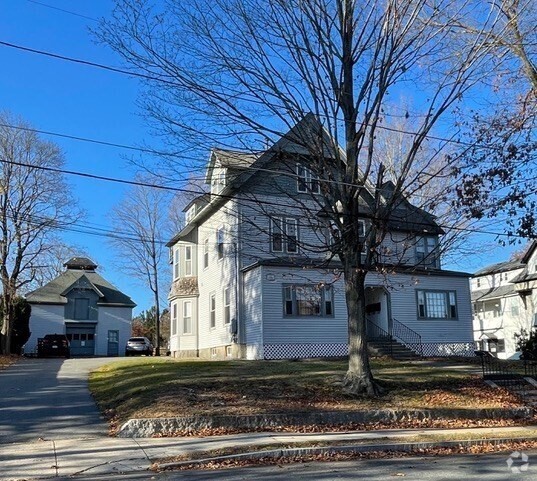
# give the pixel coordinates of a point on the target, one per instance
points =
(393, 349)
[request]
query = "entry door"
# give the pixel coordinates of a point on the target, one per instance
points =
(113, 343)
(81, 339)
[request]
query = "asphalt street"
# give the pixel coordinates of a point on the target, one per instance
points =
(49, 399)
(444, 468)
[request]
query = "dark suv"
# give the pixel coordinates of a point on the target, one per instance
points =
(53, 345)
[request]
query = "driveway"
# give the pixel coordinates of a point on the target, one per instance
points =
(49, 399)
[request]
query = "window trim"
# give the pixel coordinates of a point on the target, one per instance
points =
(188, 262)
(448, 305)
(220, 242)
(307, 180)
(184, 317)
(227, 305)
(324, 301)
(431, 257)
(176, 263)
(212, 310)
(174, 319)
(206, 253)
(284, 228)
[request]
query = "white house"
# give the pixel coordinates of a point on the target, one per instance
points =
(251, 278)
(504, 297)
(95, 315)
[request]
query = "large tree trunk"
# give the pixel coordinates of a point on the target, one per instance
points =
(359, 379)
(7, 325)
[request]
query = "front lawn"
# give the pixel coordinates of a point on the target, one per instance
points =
(160, 387)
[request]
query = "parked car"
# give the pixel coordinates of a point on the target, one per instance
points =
(138, 346)
(53, 345)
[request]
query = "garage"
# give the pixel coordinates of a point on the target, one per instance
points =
(81, 338)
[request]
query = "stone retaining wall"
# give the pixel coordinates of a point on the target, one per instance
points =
(140, 428)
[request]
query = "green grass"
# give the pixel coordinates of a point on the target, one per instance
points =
(161, 387)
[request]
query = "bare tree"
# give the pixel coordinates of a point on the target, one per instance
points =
(141, 249)
(500, 168)
(242, 73)
(34, 203)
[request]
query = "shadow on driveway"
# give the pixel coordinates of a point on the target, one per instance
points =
(50, 399)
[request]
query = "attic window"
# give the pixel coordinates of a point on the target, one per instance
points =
(190, 214)
(307, 181)
(218, 181)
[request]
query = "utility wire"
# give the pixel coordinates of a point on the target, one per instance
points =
(62, 10)
(171, 82)
(231, 197)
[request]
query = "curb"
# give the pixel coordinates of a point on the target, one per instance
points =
(148, 427)
(404, 447)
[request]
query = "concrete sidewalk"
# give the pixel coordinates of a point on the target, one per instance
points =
(109, 456)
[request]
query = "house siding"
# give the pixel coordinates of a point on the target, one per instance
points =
(112, 319)
(404, 306)
(46, 319)
(219, 275)
(253, 313)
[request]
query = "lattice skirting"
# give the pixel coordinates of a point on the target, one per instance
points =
(447, 349)
(304, 351)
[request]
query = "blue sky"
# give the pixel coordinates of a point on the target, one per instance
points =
(59, 96)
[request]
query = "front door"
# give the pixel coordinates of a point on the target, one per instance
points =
(81, 339)
(113, 343)
(377, 311)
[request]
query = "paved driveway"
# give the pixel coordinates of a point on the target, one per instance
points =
(48, 398)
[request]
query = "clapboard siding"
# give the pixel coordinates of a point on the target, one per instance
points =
(404, 305)
(278, 329)
(46, 319)
(253, 313)
(220, 274)
(112, 319)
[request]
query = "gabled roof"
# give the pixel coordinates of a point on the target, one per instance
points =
(499, 267)
(507, 266)
(230, 159)
(308, 131)
(494, 293)
(55, 291)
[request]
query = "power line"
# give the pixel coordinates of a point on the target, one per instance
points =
(63, 10)
(170, 82)
(85, 139)
(229, 197)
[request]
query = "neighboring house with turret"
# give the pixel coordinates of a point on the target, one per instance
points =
(253, 277)
(504, 297)
(94, 315)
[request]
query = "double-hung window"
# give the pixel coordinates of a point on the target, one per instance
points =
(427, 251)
(206, 254)
(308, 300)
(188, 261)
(174, 319)
(187, 317)
(227, 305)
(284, 234)
(437, 304)
(176, 264)
(307, 181)
(220, 242)
(212, 310)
